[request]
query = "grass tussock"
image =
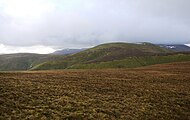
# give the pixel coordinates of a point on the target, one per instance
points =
(154, 92)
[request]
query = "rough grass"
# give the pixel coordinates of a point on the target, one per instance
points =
(154, 92)
(132, 62)
(129, 62)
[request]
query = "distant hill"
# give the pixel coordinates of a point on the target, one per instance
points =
(176, 47)
(105, 53)
(68, 51)
(110, 55)
(24, 61)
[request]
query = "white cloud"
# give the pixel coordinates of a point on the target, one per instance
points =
(83, 23)
(24, 9)
(4, 49)
(187, 45)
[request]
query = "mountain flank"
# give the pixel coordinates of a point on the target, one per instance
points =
(110, 55)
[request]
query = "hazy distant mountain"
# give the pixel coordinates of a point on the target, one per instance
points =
(176, 47)
(68, 51)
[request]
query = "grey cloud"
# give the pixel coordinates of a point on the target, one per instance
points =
(83, 23)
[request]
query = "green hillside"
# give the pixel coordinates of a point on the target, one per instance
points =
(116, 51)
(24, 61)
(111, 55)
(104, 53)
(132, 62)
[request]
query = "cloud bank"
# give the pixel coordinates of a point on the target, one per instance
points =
(83, 23)
(31, 49)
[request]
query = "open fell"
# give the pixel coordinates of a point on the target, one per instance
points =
(109, 55)
(100, 53)
(153, 92)
(115, 55)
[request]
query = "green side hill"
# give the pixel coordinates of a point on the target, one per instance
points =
(115, 55)
(110, 55)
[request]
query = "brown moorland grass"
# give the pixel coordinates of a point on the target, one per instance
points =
(153, 92)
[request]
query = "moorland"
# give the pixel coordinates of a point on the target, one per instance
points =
(152, 92)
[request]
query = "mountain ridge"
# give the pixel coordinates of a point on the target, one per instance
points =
(119, 54)
(68, 51)
(108, 52)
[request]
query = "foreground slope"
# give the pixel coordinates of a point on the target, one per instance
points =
(153, 92)
(105, 53)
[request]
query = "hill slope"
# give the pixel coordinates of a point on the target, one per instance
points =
(111, 55)
(24, 61)
(105, 53)
(132, 62)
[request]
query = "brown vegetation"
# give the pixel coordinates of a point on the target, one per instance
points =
(154, 92)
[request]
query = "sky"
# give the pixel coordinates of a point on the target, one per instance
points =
(42, 26)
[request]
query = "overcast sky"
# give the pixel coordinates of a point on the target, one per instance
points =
(47, 25)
